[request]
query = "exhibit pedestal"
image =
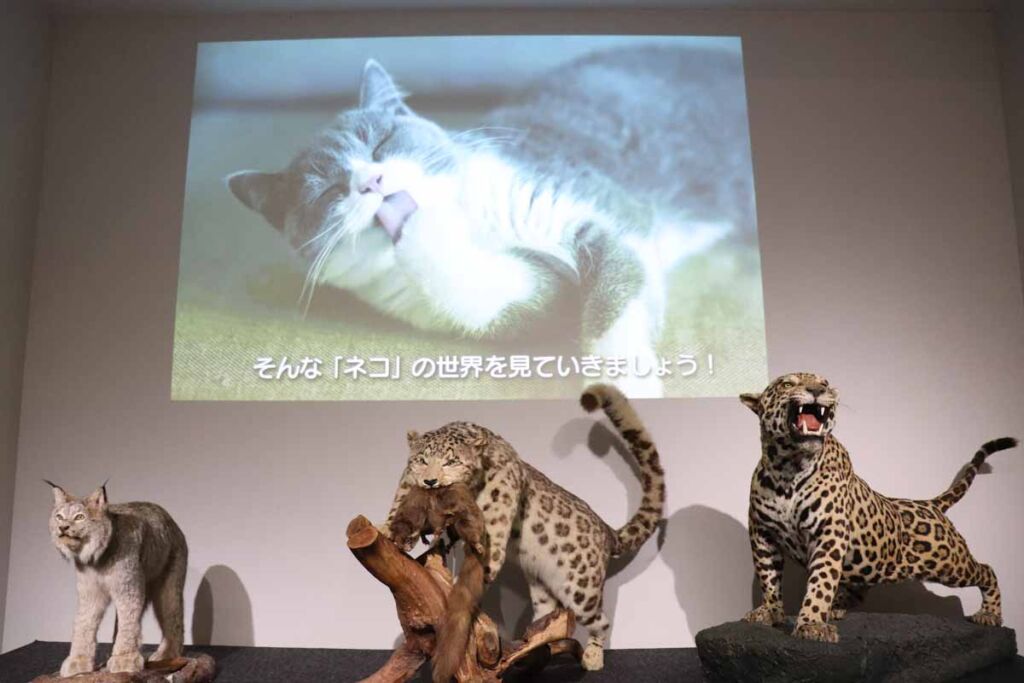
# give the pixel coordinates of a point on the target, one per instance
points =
(878, 647)
(198, 669)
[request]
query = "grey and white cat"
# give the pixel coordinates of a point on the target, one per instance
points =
(131, 554)
(620, 164)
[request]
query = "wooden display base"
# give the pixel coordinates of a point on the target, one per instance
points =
(420, 588)
(198, 669)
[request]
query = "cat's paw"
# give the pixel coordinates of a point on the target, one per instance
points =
(593, 657)
(126, 663)
(986, 618)
(769, 616)
(825, 633)
(77, 665)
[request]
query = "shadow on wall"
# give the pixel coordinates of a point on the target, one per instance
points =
(909, 597)
(709, 554)
(222, 613)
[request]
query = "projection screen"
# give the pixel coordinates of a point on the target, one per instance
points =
(500, 217)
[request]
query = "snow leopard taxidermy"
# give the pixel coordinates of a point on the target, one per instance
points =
(561, 544)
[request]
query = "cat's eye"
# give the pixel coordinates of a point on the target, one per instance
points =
(376, 154)
(788, 385)
(420, 460)
(79, 517)
(60, 517)
(451, 462)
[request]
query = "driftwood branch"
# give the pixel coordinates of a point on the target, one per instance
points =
(420, 589)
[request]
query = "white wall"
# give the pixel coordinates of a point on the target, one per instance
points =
(889, 261)
(1009, 20)
(23, 56)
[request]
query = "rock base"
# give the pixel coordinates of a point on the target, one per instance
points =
(198, 669)
(876, 647)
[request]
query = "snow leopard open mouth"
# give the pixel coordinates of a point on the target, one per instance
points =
(394, 211)
(808, 420)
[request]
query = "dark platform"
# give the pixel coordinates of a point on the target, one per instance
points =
(293, 665)
(871, 647)
(199, 668)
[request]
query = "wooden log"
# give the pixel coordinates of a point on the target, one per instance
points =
(420, 589)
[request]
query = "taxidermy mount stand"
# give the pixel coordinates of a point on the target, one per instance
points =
(198, 669)
(421, 588)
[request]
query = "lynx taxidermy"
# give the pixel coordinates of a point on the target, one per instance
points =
(564, 547)
(130, 554)
(572, 203)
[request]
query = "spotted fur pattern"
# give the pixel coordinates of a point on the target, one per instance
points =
(806, 501)
(564, 546)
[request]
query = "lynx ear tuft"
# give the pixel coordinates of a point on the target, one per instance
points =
(98, 498)
(60, 496)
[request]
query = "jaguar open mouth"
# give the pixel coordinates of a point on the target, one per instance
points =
(808, 420)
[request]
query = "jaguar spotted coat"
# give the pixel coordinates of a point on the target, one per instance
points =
(563, 545)
(806, 501)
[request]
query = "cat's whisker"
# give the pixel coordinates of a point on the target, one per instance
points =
(335, 233)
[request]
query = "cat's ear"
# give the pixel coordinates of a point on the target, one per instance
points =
(60, 496)
(98, 498)
(752, 401)
(413, 436)
(379, 91)
(261, 192)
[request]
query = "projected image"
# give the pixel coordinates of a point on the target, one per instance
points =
(469, 218)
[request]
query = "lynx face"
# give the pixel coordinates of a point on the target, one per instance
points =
(79, 527)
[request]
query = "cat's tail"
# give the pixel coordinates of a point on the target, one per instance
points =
(959, 487)
(453, 635)
(652, 476)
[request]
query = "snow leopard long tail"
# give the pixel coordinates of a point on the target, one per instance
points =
(964, 480)
(652, 476)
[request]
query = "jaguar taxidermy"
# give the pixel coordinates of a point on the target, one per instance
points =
(564, 546)
(806, 501)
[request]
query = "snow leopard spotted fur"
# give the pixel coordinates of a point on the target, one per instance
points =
(564, 546)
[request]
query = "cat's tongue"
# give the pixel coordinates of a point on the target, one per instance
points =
(394, 211)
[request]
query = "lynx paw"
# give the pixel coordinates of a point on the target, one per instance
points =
(126, 663)
(76, 665)
(825, 633)
(165, 652)
(769, 616)
(986, 618)
(593, 657)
